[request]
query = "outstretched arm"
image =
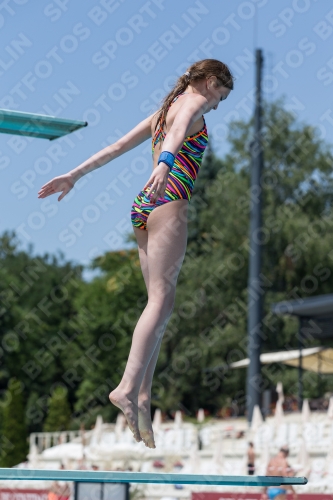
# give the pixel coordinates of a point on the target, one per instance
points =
(64, 183)
(133, 138)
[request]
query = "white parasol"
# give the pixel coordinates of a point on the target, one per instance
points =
(201, 415)
(306, 412)
(279, 390)
(157, 420)
(178, 422)
(330, 409)
(257, 419)
(279, 415)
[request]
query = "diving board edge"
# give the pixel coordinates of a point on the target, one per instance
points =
(146, 477)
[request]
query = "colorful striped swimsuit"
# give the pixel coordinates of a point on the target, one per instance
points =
(181, 178)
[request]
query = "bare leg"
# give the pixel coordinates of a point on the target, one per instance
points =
(167, 238)
(144, 398)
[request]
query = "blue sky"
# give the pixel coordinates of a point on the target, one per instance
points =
(109, 62)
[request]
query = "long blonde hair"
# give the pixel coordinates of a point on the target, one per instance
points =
(197, 71)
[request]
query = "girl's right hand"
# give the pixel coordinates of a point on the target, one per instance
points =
(62, 183)
(157, 182)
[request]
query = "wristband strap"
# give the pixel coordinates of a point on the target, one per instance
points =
(167, 158)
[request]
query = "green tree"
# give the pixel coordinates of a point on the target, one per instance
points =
(58, 328)
(108, 310)
(208, 329)
(33, 346)
(14, 446)
(59, 412)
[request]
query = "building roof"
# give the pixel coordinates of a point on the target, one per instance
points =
(312, 306)
(316, 359)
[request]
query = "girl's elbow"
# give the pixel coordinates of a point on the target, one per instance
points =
(117, 148)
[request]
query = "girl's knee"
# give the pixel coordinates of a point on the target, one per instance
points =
(165, 302)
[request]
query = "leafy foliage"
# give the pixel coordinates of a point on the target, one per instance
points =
(14, 446)
(59, 413)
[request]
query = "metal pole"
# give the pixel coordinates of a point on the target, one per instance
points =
(254, 291)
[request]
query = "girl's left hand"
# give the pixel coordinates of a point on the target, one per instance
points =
(158, 181)
(62, 183)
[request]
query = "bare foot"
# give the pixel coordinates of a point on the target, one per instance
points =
(145, 426)
(129, 409)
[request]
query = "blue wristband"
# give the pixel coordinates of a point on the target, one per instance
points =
(167, 158)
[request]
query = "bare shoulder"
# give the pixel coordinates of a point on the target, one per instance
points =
(194, 97)
(187, 109)
(194, 101)
(190, 108)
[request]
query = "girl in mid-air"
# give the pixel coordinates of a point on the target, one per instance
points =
(159, 218)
